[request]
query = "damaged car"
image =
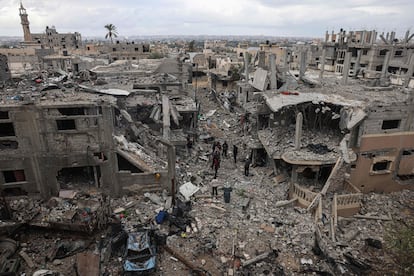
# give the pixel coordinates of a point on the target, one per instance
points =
(140, 254)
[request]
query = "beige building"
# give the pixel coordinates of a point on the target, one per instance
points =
(54, 40)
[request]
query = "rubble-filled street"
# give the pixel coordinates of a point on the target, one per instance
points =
(257, 230)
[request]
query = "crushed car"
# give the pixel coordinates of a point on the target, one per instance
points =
(140, 254)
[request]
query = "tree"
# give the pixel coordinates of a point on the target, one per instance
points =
(234, 72)
(191, 47)
(112, 32)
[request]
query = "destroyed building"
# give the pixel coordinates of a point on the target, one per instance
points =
(50, 142)
(50, 39)
(326, 126)
(4, 68)
(362, 51)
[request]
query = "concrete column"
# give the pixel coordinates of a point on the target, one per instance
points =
(385, 65)
(166, 117)
(392, 37)
(246, 65)
(363, 37)
(410, 70)
(345, 71)
(171, 157)
(285, 63)
(322, 64)
(298, 131)
(302, 68)
(294, 177)
(358, 62)
(273, 81)
(262, 57)
(373, 37)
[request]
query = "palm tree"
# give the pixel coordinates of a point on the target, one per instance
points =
(112, 32)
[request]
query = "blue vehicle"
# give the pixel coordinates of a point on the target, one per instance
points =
(140, 254)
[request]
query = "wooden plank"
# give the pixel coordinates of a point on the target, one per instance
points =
(332, 175)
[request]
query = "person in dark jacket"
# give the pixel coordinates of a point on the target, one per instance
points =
(225, 148)
(216, 165)
(246, 166)
(235, 150)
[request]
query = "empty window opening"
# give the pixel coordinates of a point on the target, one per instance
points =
(383, 52)
(76, 176)
(381, 166)
(7, 129)
(398, 53)
(125, 165)
(14, 176)
(65, 124)
(408, 152)
(390, 124)
(4, 114)
(8, 144)
(72, 111)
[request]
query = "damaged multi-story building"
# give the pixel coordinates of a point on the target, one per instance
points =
(362, 52)
(55, 133)
(327, 126)
(47, 145)
(50, 38)
(310, 132)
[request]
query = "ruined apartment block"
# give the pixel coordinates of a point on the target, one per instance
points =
(47, 145)
(375, 57)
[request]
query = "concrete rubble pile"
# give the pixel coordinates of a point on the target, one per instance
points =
(286, 142)
(253, 225)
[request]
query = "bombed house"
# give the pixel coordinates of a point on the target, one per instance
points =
(49, 145)
(328, 129)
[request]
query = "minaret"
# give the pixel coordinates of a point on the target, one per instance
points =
(25, 24)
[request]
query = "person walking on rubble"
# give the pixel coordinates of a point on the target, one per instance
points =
(216, 155)
(214, 186)
(235, 150)
(216, 146)
(216, 165)
(225, 148)
(246, 166)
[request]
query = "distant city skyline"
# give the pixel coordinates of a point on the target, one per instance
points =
(187, 17)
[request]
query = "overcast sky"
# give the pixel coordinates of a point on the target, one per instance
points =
(213, 17)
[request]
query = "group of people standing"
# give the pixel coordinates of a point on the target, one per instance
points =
(221, 150)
